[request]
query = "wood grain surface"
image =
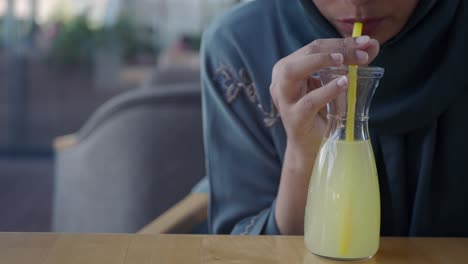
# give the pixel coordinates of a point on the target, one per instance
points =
(29, 248)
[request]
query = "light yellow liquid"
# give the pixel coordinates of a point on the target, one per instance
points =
(343, 206)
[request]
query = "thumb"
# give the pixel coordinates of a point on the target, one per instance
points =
(316, 99)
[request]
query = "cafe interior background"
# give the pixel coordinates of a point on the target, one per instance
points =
(100, 126)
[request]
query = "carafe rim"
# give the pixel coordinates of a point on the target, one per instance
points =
(363, 72)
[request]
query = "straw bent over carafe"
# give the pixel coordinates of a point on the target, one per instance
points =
(342, 218)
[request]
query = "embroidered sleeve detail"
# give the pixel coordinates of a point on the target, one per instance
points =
(225, 79)
(233, 86)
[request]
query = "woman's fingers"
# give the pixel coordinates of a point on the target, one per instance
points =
(300, 68)
(356, 51)
(373, 49)
(290, 75)
(291, 82)
(318, 98)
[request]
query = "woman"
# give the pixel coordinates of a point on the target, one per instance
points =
(263, 130)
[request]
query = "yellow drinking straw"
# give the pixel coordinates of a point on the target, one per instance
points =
(352, 76)
(345, 240)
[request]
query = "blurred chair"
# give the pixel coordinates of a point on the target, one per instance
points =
(138, 155)
(187, 216)
(173, 75)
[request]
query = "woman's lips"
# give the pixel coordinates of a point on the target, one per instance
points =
(370, 25)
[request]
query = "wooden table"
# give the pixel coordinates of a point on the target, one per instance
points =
(27, 248)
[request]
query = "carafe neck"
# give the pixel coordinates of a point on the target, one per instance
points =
(336, 128)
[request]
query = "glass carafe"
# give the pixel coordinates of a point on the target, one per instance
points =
(342, 219)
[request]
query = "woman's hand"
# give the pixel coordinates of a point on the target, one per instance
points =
(300, 101)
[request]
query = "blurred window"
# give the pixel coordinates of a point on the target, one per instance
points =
(61, 59)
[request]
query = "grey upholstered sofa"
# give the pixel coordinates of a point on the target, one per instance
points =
(137, 156)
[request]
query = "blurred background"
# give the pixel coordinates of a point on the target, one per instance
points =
(61, 61)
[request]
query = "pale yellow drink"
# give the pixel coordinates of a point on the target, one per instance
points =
(343, 205)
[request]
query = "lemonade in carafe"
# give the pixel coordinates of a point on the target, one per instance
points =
(342, 218)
